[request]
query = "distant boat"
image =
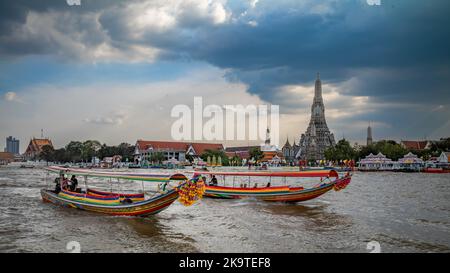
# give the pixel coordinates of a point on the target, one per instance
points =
(26, 166)
(436, 170)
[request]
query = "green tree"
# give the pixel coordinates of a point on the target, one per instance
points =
(126, 151)
(390, 149)
(216, 154)
(61, 156)
(157, 157)
(341, 151)
(47, 153)
(256, 154)
(89, 149)
(235, 161)
(73, 150)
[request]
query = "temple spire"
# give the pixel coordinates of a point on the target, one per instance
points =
(318, 89)
(369, 135)
(317, 137)
(267, 142)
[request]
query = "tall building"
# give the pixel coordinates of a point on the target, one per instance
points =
(369, 136)
(317, 137)
(12, 145)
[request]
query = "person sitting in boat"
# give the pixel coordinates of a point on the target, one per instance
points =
(57, 185)
(268, 185)
(256, 185)
(65, 183)
(73, 183)
(213, 181)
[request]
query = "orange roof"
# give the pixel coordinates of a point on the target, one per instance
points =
(415, 145)
(37, 144)
(199, 148)
(6, 156)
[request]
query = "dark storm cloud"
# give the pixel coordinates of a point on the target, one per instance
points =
(397, 52)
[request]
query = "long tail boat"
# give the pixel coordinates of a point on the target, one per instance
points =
(187, 190)
(283, 193)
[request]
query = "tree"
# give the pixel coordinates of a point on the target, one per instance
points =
(47, 153)
(389, 148)
(61, 156)
(89, 149)
(157, 157)
(235, 161)
(73, 150)
(216, 154)
(341, 151)
(256, 154)
(126, 151)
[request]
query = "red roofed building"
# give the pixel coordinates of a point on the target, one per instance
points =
(6, 158)
(35, 147)
(172, 149)
(416, 145)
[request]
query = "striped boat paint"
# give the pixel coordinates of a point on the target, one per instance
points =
(273, 194)
(144, 208)
(135, 197)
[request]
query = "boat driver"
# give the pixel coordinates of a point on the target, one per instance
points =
(73, 183)
(213, 181)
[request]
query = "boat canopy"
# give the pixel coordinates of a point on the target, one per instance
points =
(148, 177)
(315, 173)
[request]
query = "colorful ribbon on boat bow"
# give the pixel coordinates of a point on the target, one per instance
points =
(191, 191)
(342, 183)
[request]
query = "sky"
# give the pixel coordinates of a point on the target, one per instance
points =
(113, 70)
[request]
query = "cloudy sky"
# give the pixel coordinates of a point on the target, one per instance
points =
(112, 70)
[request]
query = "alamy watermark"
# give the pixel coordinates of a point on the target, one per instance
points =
(227, 122)
(374, 247)
(373, 2)
(73, 247)
(73, 2)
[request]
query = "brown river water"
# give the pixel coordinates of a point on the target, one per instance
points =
(400, 212)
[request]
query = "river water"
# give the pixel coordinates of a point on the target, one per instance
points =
(400, 212)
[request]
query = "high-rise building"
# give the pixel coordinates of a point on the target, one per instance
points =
(12, 145)
(317, 137)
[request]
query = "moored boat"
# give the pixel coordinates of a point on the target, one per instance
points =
(436, 170)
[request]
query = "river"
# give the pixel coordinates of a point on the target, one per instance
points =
(399, 212)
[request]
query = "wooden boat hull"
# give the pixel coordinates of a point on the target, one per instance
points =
(144, 208)
(276, 194)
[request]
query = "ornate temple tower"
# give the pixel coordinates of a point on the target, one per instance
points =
(317, 137)
(369, 136)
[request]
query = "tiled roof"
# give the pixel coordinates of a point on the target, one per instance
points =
(6, 156)
(415, 145)
(241, 149)
(199, 148)
(36, 145)
(240, 154)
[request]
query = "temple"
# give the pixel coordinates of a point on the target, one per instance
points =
(317, 137)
